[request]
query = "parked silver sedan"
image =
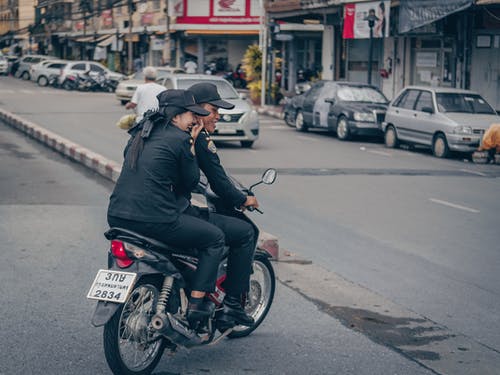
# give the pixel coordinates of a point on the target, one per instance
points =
(445, 119)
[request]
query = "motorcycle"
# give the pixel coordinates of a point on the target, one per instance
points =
(143, 295)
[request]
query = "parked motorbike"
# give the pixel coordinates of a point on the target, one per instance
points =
(143, 295)
(53, 81)
(71, 82)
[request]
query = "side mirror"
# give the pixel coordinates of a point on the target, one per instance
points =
(330, 100)
(428, 110)
(269, 176)
(243, 95)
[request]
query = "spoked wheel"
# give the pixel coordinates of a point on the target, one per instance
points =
(260, 296)
(128, 345)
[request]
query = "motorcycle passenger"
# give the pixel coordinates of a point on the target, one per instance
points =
(159, 161)
(239, 234)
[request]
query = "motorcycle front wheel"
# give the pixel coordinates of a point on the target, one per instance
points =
(260, 295)
(127, 339)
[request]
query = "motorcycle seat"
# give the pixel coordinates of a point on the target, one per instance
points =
(149, 243)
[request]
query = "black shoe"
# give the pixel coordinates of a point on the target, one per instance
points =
(197, 313)
(232, 311)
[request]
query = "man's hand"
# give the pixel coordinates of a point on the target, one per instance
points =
(251, 201)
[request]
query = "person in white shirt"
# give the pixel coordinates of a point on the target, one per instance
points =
(190, 66)
(144, 97)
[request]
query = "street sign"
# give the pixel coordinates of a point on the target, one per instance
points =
(283, 37)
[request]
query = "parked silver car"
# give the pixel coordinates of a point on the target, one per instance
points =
(4, 64)
(238, 124)
(23, 71)
(445, 119)
(41, 72)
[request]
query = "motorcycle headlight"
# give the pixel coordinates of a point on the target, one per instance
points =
(463, 130)
(364, 117)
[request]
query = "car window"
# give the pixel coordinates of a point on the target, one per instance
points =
(424, 100)
(399, 99)
(462, 102)
(96, 68)
(27, 59)
(225, 89)
(56, 65)
(409, 100)
(35, 60)
(79, 67)
(360, 94)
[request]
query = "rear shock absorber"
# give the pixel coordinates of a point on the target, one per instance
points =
(160, 320)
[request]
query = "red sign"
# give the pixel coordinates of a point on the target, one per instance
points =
(221, 12)
(349, 13)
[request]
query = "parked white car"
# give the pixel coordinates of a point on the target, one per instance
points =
(4, 65)
(238, 124)
(444, 119)
(126, 88)
(94, 69)
(41, 72)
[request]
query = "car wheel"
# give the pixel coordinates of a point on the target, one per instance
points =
(343, 129)
(42, 81)
(246, 144)
(25, 76)
(123, 102)
(289, 120)
(299, 122)
(391, 138)
(440, 147)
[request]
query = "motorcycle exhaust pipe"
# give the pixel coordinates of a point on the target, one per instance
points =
(170, 327)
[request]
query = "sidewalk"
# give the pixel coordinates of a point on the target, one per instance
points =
(107, 168)
(275, 111)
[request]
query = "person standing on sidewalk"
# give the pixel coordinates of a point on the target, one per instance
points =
(145, 96)
(239, 235)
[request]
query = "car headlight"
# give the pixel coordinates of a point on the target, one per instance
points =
(364, 117)
(463, 130)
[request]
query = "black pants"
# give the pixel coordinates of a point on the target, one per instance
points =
(187, 232)
(240, 237)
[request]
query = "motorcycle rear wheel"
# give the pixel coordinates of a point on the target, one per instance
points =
(126, 345)
(260, 296)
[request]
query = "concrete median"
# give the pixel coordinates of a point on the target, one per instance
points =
(106, 168)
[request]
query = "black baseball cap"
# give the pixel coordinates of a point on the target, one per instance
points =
(181, 99)
(205, 92)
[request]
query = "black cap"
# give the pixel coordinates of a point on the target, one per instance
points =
(181, 99)
(206, 92)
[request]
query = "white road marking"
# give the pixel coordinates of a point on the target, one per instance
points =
(276, 127)
(27, 91)
(473, 172)
(449, 204)
(379, 152)
(6, 91)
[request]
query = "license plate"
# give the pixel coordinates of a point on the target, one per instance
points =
(112, 286)
(225, 130)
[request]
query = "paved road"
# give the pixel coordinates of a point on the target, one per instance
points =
(418, 231)
(51, 219)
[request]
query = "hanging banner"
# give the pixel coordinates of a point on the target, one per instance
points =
(416, 13)
(355, 24)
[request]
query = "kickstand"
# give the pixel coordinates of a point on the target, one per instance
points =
(226, 332)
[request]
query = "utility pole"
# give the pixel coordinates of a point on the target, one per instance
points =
(167, 50)
(263, 31)
(131, 10)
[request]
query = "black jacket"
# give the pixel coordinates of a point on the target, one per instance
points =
(209, 162)
(165, 166)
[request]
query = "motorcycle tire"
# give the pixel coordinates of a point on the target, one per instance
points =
(67, 86)
(126, 331)
(260, 296)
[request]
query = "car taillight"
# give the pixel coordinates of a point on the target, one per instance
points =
(118, 251)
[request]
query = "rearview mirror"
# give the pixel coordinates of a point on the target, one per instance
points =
(269, 176)
(428, 110)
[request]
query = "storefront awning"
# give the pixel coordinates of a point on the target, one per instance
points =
(107, 41)
(417, 13)
(84, 39)
(222, 32)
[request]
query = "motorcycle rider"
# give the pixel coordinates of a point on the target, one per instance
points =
(239, 235)
(159, 161)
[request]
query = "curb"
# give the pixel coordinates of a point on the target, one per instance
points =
(95, 162)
